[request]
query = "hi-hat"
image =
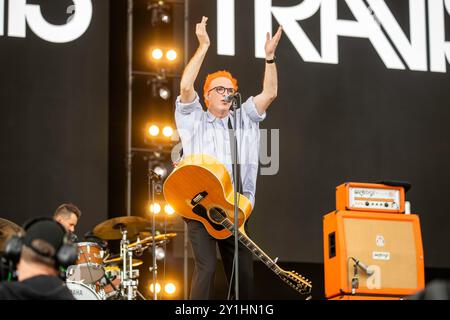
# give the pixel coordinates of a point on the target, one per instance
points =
(147, 239)
(112, 229)
(7, 230)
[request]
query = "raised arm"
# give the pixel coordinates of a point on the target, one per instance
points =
(190, 73)
(270, 85)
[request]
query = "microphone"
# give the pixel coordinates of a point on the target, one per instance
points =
(230, 97)
(363, 266)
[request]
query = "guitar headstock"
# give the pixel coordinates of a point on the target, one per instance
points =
(296, 281)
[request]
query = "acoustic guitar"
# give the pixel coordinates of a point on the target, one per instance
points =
(200, 188)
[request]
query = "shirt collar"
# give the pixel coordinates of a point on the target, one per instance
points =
(211, 118)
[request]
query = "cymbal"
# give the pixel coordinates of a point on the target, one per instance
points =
(111, 229)
(113, 262)
(148, 238)
(7, 230)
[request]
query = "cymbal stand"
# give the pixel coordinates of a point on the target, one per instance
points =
(129, 285)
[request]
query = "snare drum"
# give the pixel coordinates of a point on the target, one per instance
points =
(82, 291)
(89, 265)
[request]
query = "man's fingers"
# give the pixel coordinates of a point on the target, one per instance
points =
(204, 19)
(279, 32)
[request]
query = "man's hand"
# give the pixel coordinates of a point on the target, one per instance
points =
(190, 73)
(202, 35)
(270, 85)
(271, 44)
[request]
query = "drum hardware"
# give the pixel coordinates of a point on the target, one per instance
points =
(129, 281)
(115, 276)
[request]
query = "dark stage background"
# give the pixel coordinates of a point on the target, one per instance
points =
(63, 140)
(54, 119)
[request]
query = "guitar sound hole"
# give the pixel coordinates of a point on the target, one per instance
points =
(217, 215)
(202, 212)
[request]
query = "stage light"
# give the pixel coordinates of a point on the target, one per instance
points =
(164, 17)
(171, 55)
(155, 208)
(168, 131)
(157, 54)
(164, 92)
(159, 85)
(169, 210)
(159, 13)
(158, 287)
(153, 130)
(160, 253)
(160, 170)
(170, 288)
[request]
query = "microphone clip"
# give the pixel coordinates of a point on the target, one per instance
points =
(355, 279)
(361, 265)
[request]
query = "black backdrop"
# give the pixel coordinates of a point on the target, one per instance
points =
(354, 121)
(54, 119)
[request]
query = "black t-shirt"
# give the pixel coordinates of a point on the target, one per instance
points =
(36, 288)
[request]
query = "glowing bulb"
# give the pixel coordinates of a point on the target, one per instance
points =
(160, 253)
(168, 209)
(164, 93)
(170, 288)
(153, 130)
(157, 54)
(171, 55)
(168, 131)
(160, 171)
(158, 288)
(155, 208)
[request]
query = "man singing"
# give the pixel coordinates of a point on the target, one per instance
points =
(207, 132)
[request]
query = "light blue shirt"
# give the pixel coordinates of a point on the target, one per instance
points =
(201, 132)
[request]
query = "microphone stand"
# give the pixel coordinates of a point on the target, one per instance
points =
(153, 178)
(235, 106)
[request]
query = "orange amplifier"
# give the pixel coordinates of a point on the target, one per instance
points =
(372, 254)
(370, 197)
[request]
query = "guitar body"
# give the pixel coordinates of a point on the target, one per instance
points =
(199, 184)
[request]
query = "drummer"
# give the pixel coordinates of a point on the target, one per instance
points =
(68, 215)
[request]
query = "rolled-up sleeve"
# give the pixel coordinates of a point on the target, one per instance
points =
(250, 110)
(187, 108)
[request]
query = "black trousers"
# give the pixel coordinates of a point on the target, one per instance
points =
(204, 247)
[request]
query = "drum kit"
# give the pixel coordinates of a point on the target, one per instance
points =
(99, 275)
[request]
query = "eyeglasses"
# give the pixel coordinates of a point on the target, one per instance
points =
(221, 90)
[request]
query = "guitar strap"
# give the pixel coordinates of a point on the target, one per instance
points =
(233, 143)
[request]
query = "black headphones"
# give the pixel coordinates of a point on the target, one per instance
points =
(64, 257)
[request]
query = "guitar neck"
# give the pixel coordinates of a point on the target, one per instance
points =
(246, 241)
